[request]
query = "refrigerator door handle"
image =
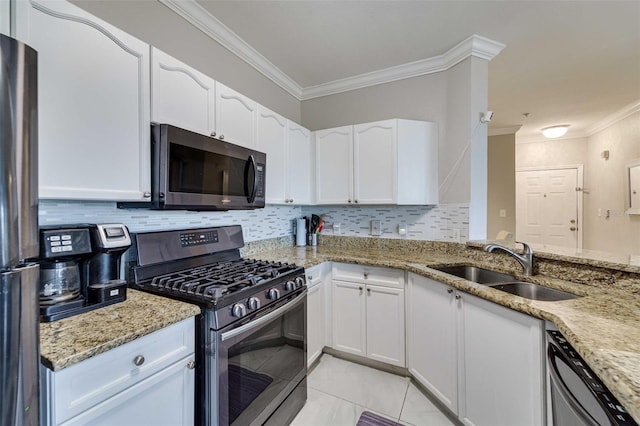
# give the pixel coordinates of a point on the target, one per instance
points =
(10, 307)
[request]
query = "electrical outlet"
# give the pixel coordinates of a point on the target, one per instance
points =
(375, 227)
(337, 227)
(455, 235)
(402, 228)
(503, 213)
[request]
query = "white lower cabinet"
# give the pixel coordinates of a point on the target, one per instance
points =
(368, 312)
(149, 381)
(481, 360)
(317, 306)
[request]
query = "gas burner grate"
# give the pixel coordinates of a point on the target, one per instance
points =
(217, 280)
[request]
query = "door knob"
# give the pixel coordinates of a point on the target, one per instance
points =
(572, 221)
(573, 228)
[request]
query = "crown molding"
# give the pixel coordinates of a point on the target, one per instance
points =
(190, 10)
(503, 131)
(197, 16)
(614, 118)
(478, 46)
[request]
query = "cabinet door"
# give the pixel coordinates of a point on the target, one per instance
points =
(5, 18)
(236, 117)
(272, 133)
(431, 338)
(315, 321)
(299, 164)
(181, 95)
(166, 398)
(349, 317)
(385, 324)
(334, 165)
(375, 162)
(93, 104)
(502, 364)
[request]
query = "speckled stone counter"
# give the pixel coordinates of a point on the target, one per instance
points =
(603, 325)
(71, 340)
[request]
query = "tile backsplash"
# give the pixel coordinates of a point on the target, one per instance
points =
(435, 223)
(259, 224)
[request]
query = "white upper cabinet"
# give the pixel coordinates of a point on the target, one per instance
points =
(334, 165)
(93, 104)
(272, 134)
(384, 162)
(299, 164)
(181, 95)
(288, 149)
(5, 17)
(236, 117)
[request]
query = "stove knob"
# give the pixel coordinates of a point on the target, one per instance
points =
(289, 286)
(300, 282)
(238, 310)
(253, 303)
(273, 294)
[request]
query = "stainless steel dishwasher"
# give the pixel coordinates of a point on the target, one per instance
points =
(578, 397)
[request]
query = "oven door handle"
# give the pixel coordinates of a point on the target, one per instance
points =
(264, 319)
(553, 353)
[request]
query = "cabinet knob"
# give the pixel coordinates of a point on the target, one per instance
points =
(291, 200)
(221, 137)
(348, 201)
(191, 365)
(138, 361)
(213, 134)
(360, 288)
(355, 201)
(458, 297)
(366, 275)
(369, 290)
(310, 278)
(147, 195)
(449, 290)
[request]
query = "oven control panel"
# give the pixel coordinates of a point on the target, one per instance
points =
(188, 239)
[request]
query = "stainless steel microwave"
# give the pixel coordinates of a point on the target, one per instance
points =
(190, 171)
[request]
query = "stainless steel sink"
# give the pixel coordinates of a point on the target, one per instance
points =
(534, 291)
(477, 275)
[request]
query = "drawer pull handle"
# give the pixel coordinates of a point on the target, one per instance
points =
(191, 365)
(139, 360)
(449, 290)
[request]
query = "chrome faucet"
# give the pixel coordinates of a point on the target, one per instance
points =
(526, 259)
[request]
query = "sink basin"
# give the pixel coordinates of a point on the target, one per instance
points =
(477, 275)
(534, 291)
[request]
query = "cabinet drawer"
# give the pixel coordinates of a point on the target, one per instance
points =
(316, 274)
(81, 386)
(368, 275)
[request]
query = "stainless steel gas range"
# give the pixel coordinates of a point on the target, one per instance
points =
(251, 336)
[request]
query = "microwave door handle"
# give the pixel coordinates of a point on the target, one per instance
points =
(562, 388)
(252, 196)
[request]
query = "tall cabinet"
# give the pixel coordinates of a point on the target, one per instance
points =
(89, 126)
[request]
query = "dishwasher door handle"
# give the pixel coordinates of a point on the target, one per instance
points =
(558, 384)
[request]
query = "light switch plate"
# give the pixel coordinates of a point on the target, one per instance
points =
(375, 227)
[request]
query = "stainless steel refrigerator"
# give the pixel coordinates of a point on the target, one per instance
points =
(19, 335)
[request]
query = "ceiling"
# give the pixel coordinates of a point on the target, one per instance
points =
(573, 62)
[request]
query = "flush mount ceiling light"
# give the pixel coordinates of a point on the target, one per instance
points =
(555, 131)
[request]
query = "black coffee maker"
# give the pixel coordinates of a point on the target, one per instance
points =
(80, 268)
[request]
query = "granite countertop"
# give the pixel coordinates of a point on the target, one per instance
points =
(603, 325)
(70, 340)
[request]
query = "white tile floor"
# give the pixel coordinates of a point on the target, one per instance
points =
(339, 391)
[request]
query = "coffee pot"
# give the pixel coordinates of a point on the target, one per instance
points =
(80, 268)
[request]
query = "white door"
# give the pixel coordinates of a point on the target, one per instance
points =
(181, 95)
(375, 162)
(547, 207)
(93, 104)
(236, 117)
(349, 317)
(385, 324)
(334, 165)
(299, 164)
(431, 334)
(272, 131)
(501, 365)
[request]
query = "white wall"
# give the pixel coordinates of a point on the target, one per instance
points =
(604, 180)
(501, 185)
(562, 152)
(159, 26)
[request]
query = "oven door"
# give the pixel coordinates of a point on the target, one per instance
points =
(261, 361)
